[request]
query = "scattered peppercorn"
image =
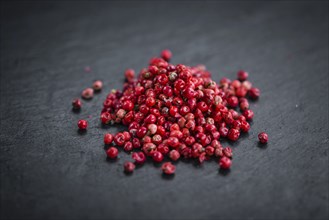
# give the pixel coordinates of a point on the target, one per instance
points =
(129, 167)
(76, 103)
(97, 85)
(168, 168)
(82, 124)
(87, 93)
(225, 163)
(112, 152)
(263, 137)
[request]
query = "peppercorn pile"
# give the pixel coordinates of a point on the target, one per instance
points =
(176, 111)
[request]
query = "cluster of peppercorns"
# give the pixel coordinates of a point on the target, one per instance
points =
(179, 112)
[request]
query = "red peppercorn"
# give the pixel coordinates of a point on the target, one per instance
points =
(163, 79)
(242, 75)
(157, 156)
(150, 119)
(233, 134)
(136, 143)
(82, 124)
(150, 101)
(129, 167)
(173, 142)
(263, 137)
(139, 157)
(128, 105)
(168, 168)
(112, 152)
(76, 103)
(97, 85)
(227, 151)
(106, 117)
(108, 138)
(129, 74)
(128, 146)
(245, 126)
(210, 150)
(233, 101)
(119, 139)
(174, 155)
(225, 163)
(166, 55)
(244, 105)
(248, 114)
(87, 93)
(223, 131)
(254, 93)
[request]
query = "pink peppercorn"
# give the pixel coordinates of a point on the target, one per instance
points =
(112, 152)
(174, 155)
(254, 93)
(97, 85)
(129, 74)
(227, 151)
(168, 168)
(82, 124)
(87, 93)
(225, 163)
(248, 114)
(128, 146)
(106, 117)
(157, 156)
(233, 134)
(108, 138)
(242, 75)
(233, 101)
(263, 137)
(76, 103)
(166, 55)
(139, 157)
(119, 139)
(129, 167)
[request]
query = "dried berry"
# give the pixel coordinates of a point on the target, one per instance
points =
(76, 104)
(129, 167)
(112, 152)
(82, 124)
(263, 137)
(87, 93)
(168, 168)
(97, 85)
(225, 163)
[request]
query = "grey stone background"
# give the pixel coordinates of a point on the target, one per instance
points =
(50, 171)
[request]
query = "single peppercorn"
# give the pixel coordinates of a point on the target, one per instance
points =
(82, 124)
(174, 155)
(97, 85)
(112, 152)
(129, 167)
(254, 93)
(139, 157)
(157, 156)
(76, 104)
(242, 75)
(225, 163)
(108, 138)
(263, 137)
(119, 139)
(87, 93)
(233, 134)
(166, 55)
(168, 168)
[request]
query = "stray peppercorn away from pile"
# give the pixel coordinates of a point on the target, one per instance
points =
(176, 111)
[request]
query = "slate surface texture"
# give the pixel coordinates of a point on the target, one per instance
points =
(50, 171)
